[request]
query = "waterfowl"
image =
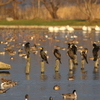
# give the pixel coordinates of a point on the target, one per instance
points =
(57, 54)
(84, 54)
(71, 53)
(27, 49)
(7, 83)
(43, 55)
(50, 98)
(72, 95)
(26, 97)
(95, 51)
(56, 87)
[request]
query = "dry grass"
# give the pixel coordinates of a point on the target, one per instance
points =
(65, 12)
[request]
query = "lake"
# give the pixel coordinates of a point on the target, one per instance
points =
(39, 86)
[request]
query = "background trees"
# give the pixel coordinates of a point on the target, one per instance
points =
(50, 9)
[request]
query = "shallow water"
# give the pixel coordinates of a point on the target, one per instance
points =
(40, 86)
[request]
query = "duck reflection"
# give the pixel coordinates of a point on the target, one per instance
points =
(57, 76)
(96, 73)
(43, 77)
(27, 68)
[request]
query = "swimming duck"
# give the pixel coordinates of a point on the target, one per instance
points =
(27, 49)
(56, 87)
(95, 51)
(72, 95)
(57, 54)
(43, 55)
(7, 83)
(26, 97)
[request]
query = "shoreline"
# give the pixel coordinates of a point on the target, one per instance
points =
(38, 27)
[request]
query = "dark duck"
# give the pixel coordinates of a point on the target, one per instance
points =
(43, 55)
(57, 54)
(95, 51)
(27, 49)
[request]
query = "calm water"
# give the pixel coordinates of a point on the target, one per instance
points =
(40, 86)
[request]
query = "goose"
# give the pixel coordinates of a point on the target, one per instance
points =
(43, 55)
(57, 54)
(72, 95)
(27, 49)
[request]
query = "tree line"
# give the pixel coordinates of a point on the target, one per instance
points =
(87, 7)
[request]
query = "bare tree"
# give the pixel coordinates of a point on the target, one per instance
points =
(87, 7)
(14, 7)
(4, 3)
(52, 6)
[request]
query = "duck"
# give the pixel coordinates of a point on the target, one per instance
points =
(7, 83)
(26, 97)
(72, 95)
(43, 55)
(56, 87)
(57, 54)
(27, 49)
(95, 51)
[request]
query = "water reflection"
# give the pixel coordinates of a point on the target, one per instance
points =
(4, 73)
(27, 76)
(57, 76)
(43, 77)
(95, 73)
(70, 75)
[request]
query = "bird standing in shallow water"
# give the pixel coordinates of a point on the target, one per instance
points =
(95, 51)
(27, 49)
(43, 55)
(57, 54)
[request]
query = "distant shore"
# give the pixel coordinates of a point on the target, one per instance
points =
(37, 27)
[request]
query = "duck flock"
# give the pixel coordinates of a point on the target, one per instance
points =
(29, 42)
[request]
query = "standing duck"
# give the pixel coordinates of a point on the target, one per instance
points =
(43, 55)
(57, 54)
(27, 49)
